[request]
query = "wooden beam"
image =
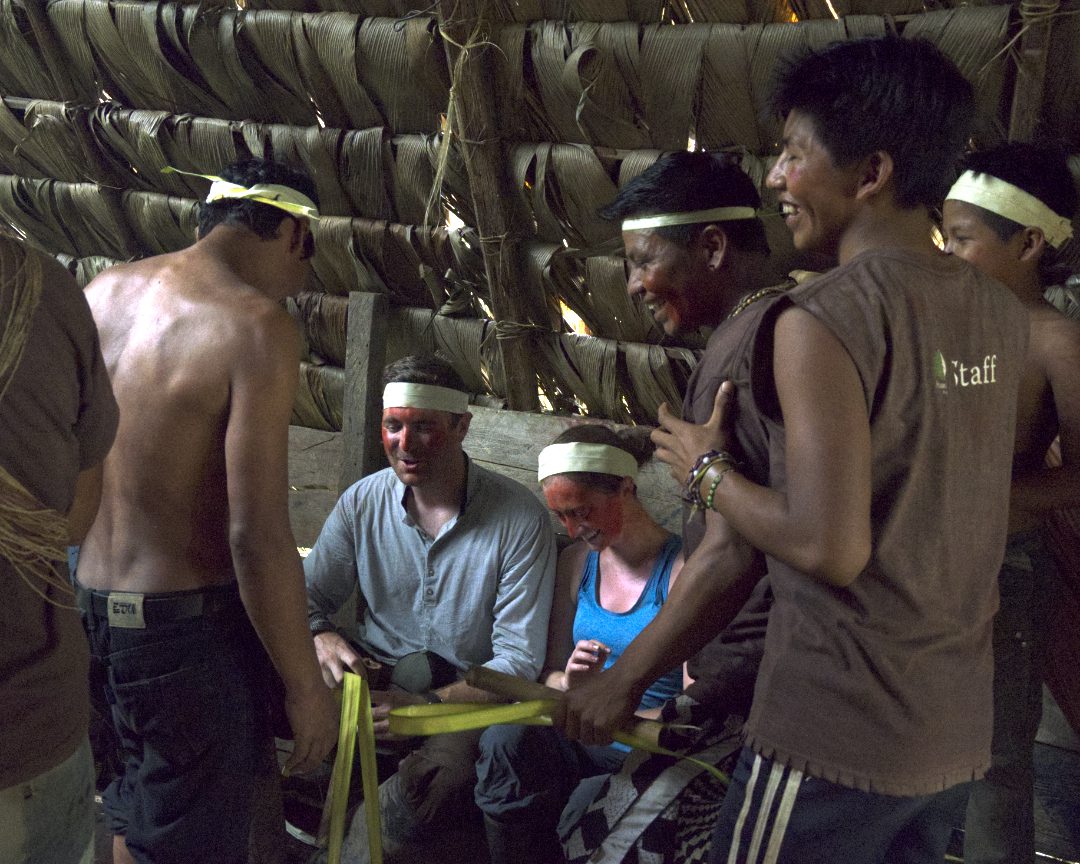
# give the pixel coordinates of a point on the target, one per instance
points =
(475, 124)
(365, 355)
(1030, 72)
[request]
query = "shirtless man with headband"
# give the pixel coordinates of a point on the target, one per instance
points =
(192, 562)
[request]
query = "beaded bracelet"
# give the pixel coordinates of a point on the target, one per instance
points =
(716, 482)
(701, 466)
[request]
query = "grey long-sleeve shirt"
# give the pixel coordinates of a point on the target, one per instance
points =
(478, 594)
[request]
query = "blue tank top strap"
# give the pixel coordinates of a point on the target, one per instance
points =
(659, 580)
(588, 573)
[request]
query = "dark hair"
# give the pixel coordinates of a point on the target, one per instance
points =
(424, 369)
(634, 441)
(681, 182)
(262, 219)
(1041, 170)
(902, 96)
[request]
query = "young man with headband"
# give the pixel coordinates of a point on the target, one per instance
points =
(191, 563)
(454, 565)
(1009, 215)
(883, 520)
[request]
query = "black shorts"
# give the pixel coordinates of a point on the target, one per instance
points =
(188, 704)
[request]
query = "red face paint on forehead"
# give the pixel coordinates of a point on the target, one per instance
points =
(592, 514)
(416, 440)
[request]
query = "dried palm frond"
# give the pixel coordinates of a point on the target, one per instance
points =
(23, 71)
(319, 398)
(328, 56)
(324, 320)
(45, 142)
(656, 374)
(1060, 117)
(671, 69)
(161, 223)
(714, 12)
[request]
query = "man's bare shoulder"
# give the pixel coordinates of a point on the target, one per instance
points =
(1054, 340)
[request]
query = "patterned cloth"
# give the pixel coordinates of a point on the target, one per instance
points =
(656, 809)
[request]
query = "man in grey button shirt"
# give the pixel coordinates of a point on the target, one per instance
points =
(449, 558)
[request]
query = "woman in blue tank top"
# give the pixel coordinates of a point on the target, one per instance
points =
(609, 585)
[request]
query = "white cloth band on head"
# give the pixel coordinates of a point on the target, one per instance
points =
(402, 394)
(272, 194)
(993, 194)
(591, 458)
(716, 214)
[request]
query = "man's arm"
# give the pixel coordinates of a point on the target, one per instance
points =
(714, 583)
(264, 553)
(820, 524)
(1043, 488)
(523, 602)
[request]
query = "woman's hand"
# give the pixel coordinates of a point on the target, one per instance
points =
(586, 659)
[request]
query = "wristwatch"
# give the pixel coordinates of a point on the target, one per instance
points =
(319, 623)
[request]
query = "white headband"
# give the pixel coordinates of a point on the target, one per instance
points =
(692, 217)
(1011, 202)
(590, 458)
(401, 394)
(272, 194)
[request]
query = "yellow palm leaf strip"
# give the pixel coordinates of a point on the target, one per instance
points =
(389, 53)
(33, 537)
(266, 44)
(728, 113)
(671, 69)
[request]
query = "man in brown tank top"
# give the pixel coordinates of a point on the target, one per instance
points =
(889, 388)
(191, 563)
(1008, 215)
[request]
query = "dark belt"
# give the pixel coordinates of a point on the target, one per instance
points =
(140, 611)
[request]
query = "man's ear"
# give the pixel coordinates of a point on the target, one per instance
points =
(463, 423)
(714, 245)
(291, 228)
(1034, 244)
(877, 171)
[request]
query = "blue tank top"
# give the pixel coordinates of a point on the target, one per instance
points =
(618, 629)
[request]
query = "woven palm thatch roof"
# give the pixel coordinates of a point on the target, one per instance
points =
(574, 98)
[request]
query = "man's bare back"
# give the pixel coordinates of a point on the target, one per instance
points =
(183, 340)
(1048, 406)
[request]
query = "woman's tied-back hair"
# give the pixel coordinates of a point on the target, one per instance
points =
(262, 219)
(684, 181)
(902, 96)
(634, 441)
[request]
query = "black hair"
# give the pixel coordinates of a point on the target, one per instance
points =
(1041, 170)
(682, 182)
(634, 441)
(262, 219)
(424, 369)
(902, 96)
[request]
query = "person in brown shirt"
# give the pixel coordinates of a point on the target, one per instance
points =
(191, 563)
(1008, 214)
(889, 384)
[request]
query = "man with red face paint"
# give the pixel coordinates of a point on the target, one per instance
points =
(453, 563)
(884, 517)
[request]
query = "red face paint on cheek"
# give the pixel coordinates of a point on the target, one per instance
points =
(585, 512)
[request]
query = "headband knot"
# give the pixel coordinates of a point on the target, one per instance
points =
(285, 198)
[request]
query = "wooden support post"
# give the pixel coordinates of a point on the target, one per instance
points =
(1030, 72)
(476, 125)
(365, 355)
